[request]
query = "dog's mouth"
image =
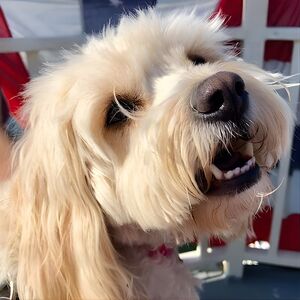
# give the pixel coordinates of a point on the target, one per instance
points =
(233, 169)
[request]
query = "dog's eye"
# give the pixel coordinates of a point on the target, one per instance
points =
(196, 59)
(114, 115)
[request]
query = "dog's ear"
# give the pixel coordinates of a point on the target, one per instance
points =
(59, 235)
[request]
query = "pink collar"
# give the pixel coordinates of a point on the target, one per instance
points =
(161, 250)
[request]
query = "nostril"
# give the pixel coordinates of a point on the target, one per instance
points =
(216, 101)
(240, 87)
(210, 102)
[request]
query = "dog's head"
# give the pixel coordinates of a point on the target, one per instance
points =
(156, 124)
(171, 127)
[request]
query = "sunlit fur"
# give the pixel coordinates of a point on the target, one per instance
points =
(84, 197)
(4, 156)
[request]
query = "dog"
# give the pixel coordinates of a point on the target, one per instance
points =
(149, 136)
(4, 155)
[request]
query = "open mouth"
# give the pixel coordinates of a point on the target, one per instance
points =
(234, 169)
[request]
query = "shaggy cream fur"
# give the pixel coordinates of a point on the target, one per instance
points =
(4, 156)
(87, 200)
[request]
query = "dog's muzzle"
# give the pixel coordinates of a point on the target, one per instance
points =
(221, 97)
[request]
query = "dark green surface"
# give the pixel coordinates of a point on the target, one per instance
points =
(261, 282)
(187, 247)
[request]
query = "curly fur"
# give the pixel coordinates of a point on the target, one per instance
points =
(83, 196)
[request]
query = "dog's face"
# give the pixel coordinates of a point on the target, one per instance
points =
(174, 132)
(189, 133)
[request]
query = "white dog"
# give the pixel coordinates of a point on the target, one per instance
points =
(147, 137)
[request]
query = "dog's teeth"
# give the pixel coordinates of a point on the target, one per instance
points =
(250, 162)
(221, 175)
(228, 175)
(217, 172)
(245, 169)
(237, 171)
(247, 149)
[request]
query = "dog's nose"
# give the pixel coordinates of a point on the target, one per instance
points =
(221, 96)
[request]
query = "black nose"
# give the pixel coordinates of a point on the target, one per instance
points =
(221, 96)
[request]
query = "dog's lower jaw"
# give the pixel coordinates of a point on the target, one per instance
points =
(229, 215)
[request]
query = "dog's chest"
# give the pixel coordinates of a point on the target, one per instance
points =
(161, 275)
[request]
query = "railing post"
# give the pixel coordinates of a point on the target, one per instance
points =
(33, 63)
(254, 42)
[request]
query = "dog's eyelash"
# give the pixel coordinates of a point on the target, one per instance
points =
(197, 59)
(115, 116)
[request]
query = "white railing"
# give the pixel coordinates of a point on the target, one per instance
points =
(32, 46)
(254, 33)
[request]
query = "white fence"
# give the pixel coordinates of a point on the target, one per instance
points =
(254, 33)
(32, 46)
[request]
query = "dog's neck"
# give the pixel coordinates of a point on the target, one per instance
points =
(152, 244)
(153, 261)
(162, 251)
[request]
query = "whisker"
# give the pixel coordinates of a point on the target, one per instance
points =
(259, 194)
(264, 195)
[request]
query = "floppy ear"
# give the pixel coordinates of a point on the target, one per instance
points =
(59, 235)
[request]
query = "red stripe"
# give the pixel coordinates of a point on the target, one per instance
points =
(13, 74)
(289, 234)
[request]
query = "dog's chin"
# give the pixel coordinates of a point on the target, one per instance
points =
(225, 214)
